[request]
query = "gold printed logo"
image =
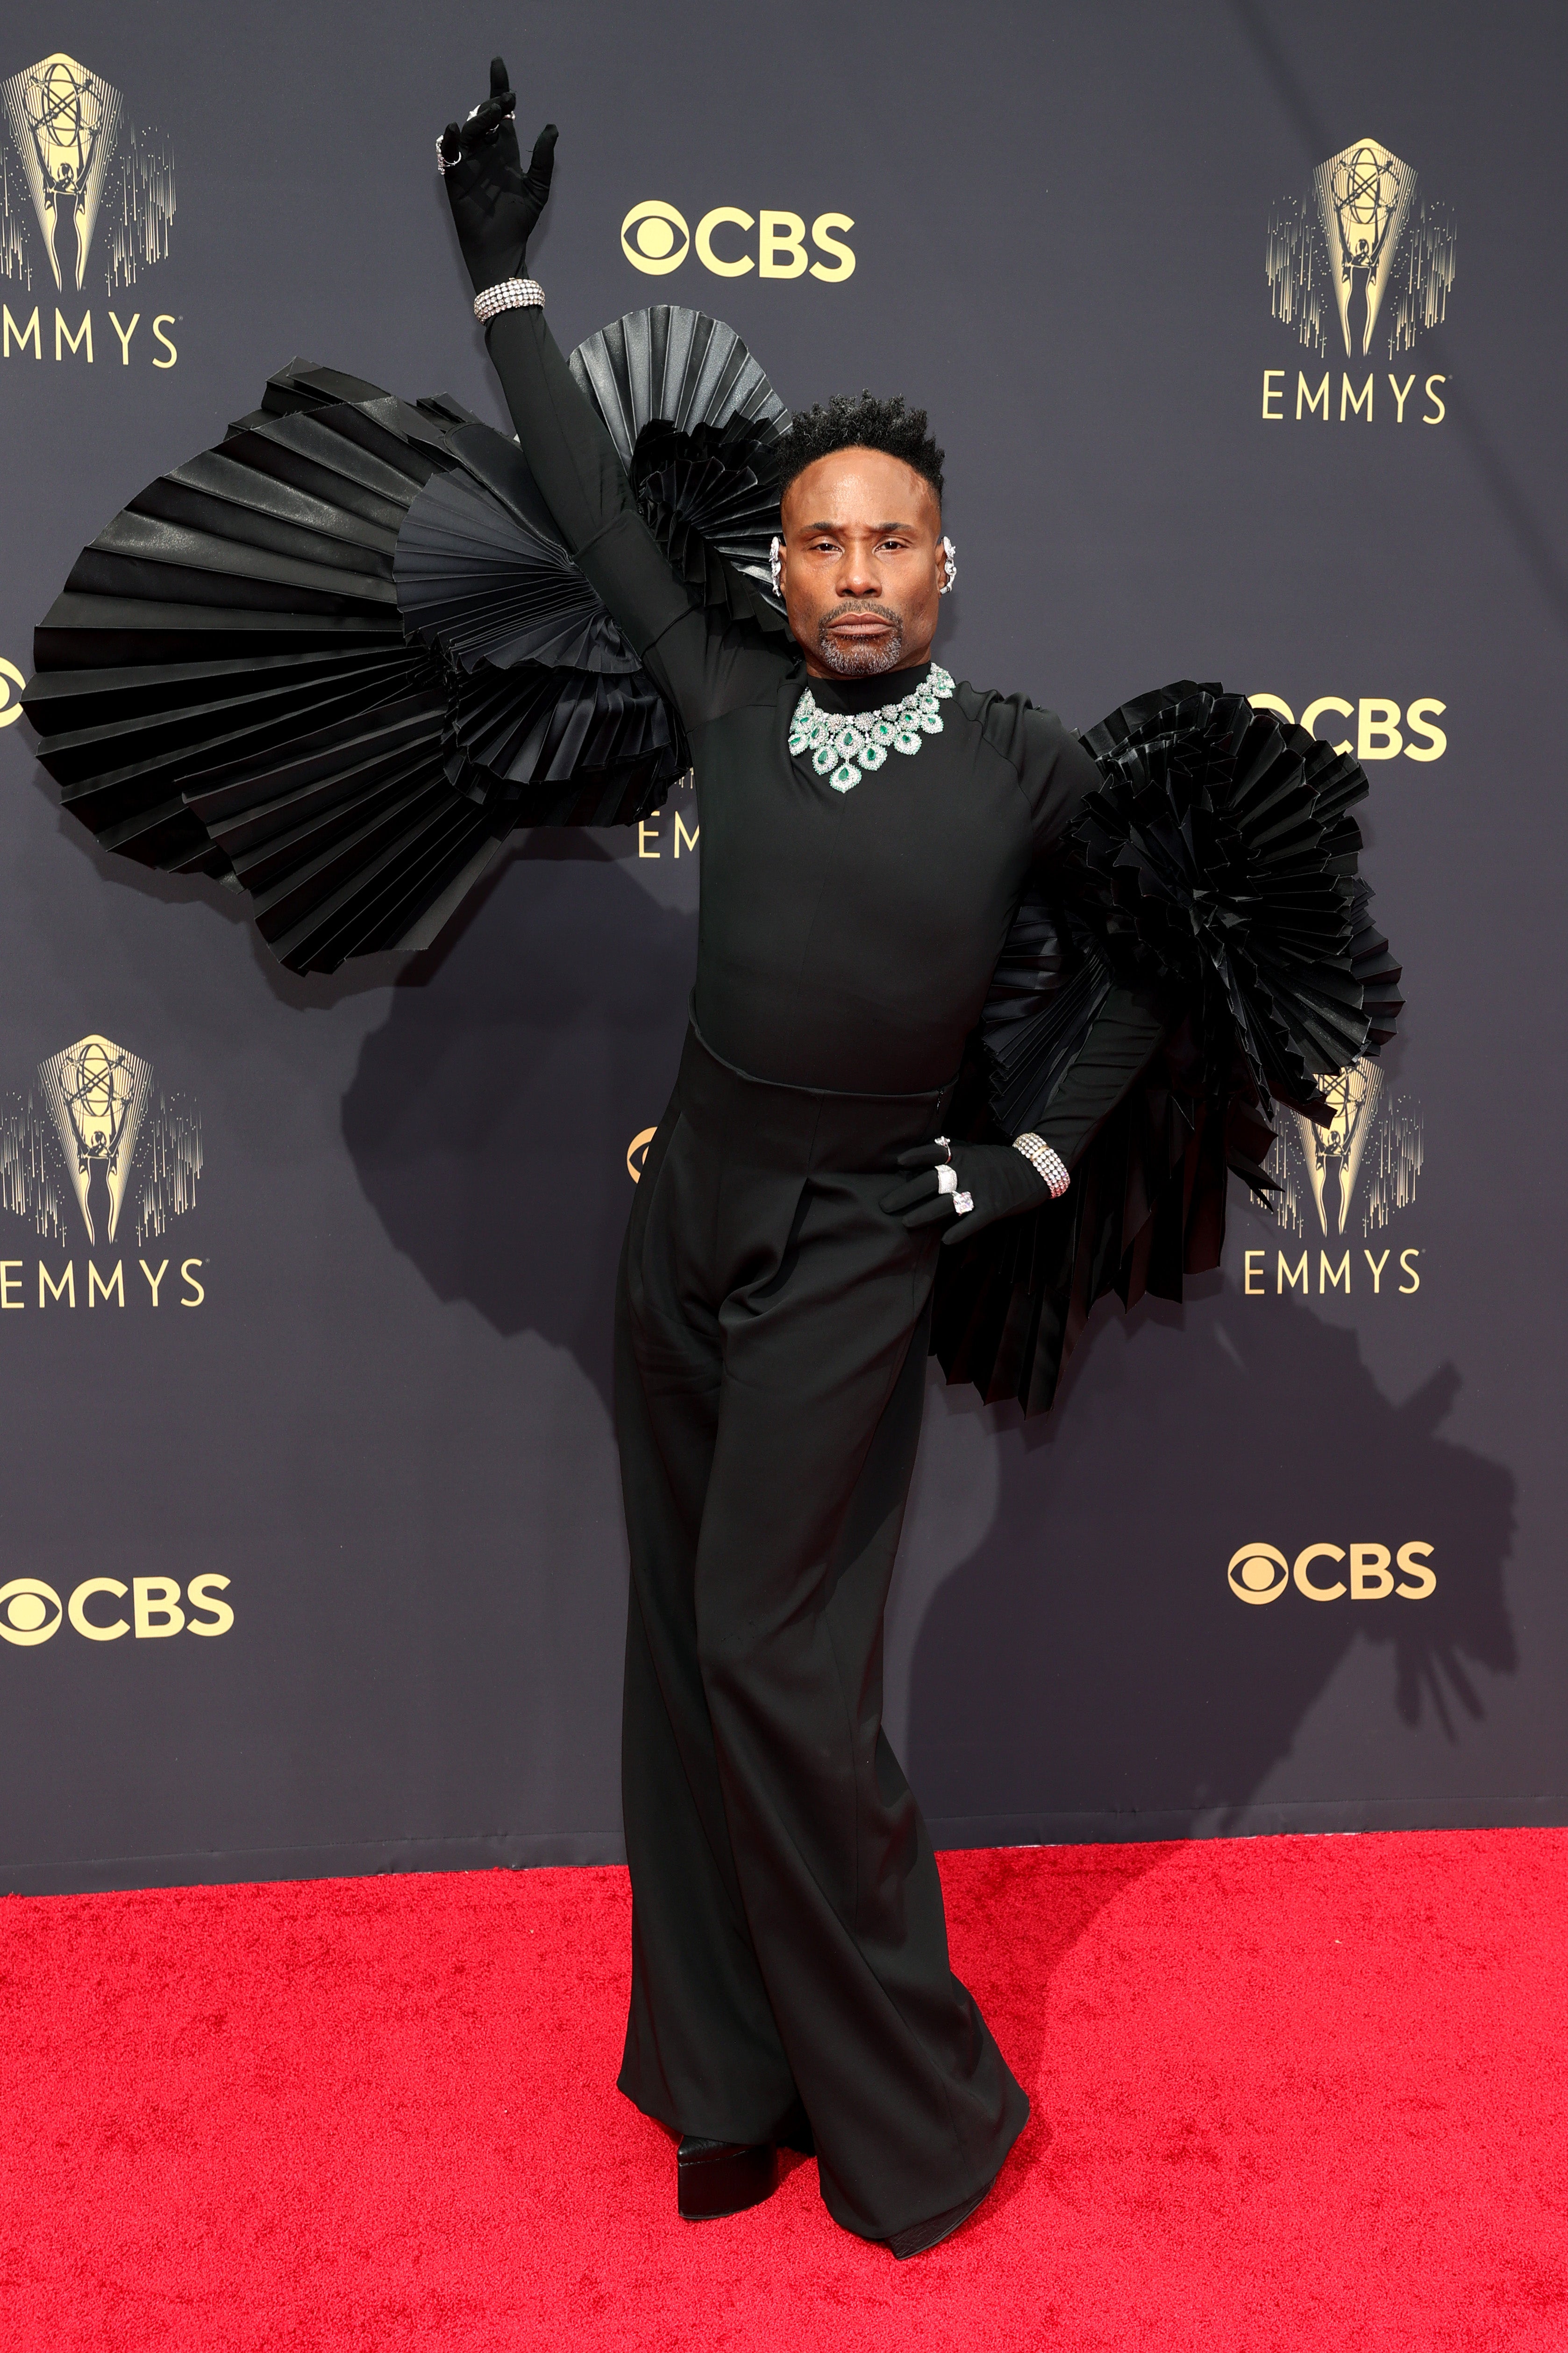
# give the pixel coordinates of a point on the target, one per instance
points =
(655, 239)
(1340, 1186)
(1364, 244)
(732, 242)
(637, 1152)
(97, 1147)
(79, 157)
(1259, 1573)
(32, 1613)
(1367, 1160)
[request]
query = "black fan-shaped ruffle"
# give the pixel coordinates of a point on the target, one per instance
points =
(483, 573)
(556, 720)
(1049, 983)
(1215, 870)
(335, 661)
(225, 685)
(1219, 859)
(699, 430)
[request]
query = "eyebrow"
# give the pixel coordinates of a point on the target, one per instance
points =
(876, 528)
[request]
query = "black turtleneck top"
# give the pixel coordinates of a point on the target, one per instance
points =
(845, 939)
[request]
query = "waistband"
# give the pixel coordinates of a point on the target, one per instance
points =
(768, 1122)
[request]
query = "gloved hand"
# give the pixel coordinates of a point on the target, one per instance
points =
(999, 1180)
(495, 203)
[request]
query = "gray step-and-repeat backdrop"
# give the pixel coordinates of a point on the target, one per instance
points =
(1238, 324)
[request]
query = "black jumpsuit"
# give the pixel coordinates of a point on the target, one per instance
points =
(789, 1945)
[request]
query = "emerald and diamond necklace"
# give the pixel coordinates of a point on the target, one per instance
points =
(849, 746)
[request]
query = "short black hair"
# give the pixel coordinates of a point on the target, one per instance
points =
(866, 423)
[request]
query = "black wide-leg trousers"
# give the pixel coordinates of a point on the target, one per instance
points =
(789, 1945)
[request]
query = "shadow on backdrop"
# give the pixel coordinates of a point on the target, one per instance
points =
(1088, 1672)
(490, 1116)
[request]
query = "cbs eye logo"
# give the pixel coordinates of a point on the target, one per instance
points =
(32, 1613)
(637, 1152)
(1260, 1573)
(655, 240)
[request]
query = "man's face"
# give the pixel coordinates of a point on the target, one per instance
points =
(862, 564)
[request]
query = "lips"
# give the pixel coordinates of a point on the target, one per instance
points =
(860, 641)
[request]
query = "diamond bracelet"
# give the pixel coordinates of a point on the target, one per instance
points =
(510, 294)
(1047, 1162)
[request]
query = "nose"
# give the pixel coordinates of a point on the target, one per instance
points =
(858, 574)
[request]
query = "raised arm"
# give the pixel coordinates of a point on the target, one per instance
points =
(496, 207)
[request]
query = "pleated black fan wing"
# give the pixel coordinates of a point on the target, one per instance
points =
(699, 430)
(1215, 870)
(547, 702)
(225, 685)
(333, 662)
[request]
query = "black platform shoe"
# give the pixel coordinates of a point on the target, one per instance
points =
(723, 2177)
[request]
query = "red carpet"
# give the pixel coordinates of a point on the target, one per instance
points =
(1292, 2092)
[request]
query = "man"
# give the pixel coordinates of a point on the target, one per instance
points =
(869, 828)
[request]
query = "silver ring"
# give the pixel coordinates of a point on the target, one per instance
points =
(947, 1179)
(962, 1203)
(441, 164)
(945, 1145)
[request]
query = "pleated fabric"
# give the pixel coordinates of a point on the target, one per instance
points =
(336, 660)
(1216, 871)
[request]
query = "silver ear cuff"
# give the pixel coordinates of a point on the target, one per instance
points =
(774, 551)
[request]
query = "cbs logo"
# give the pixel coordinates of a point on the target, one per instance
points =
(637, 1152)
(1380, 727)
(1259, 1573)
(655, 240)
(31, 1612)
(10, 706)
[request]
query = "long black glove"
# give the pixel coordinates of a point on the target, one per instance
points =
(998, 1180)
(495, 203)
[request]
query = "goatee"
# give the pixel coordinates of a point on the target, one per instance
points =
(861, 657)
